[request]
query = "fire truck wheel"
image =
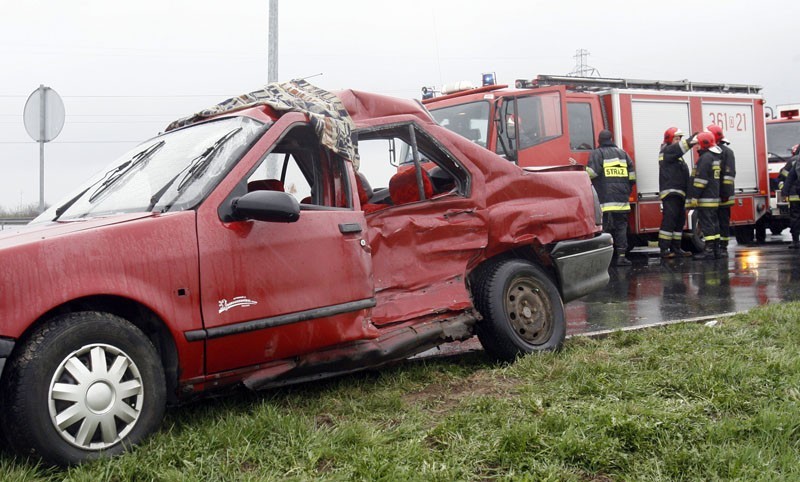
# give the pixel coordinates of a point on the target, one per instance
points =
(744, 234)
(83, 386)
(521, 308)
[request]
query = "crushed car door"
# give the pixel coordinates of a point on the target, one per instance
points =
(273, 290)
(421, 241)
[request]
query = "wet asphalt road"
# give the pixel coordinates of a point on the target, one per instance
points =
(655, 291)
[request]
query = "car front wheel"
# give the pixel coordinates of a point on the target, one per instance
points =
(84, 385)
(521, 308)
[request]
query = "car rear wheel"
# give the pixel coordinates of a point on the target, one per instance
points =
(84, 385)
(521, 308)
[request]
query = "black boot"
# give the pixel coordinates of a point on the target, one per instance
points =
(707, 253)
(716, 249)
(723, 248)
(795, 243)
(676, 248)
(621, 259)
(663, 244)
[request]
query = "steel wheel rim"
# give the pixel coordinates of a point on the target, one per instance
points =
(529, 310)
(95, 397)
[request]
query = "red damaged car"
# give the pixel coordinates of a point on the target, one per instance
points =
(251, 244)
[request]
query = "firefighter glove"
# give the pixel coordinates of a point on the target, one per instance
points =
(692, 140)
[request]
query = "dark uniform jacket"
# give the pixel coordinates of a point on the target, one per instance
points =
(611, 171)
(787, 168)
(728, 167)
(673, 173)
(789, 177)
(706, 183)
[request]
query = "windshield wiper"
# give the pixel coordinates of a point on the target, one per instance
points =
(127, 166)
(110, 177)
(195, 169)
(198, 165)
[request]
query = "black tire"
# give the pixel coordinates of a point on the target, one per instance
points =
(521, 308)
(694, 243)
(744, 234)
(46, 382)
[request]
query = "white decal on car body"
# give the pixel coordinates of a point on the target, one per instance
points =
(243, 301)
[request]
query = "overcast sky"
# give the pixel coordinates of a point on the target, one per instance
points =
(126, 69)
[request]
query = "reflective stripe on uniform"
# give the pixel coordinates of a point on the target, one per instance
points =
(713, 237)
(664, 235)
(677, 235)
(605, 207)
(794, 198)
(708, 202)
(632, 176)
(615, 168)
(784, 172)
(667, 192)
(700, 183)
(591, 172)
(729, 202)
(727, 180)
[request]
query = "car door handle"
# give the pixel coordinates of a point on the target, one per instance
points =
(349, 228)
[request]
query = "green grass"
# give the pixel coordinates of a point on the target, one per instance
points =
(684, 402)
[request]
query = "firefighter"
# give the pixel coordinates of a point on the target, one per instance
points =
(726, 189)
(673, 179)
(611, 171)
(790, 187)
(787, 168)
(704, 192)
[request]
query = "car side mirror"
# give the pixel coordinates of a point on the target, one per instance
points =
(268, 206)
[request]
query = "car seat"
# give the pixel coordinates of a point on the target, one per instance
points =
(403, 187)
(365, 193)
(265, 185)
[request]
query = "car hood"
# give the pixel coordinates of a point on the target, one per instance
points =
(38, 232)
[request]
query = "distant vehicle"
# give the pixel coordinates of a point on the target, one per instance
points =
(554, 120)
(783, 132)
(245, 248)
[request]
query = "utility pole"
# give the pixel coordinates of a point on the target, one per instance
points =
(272, 61)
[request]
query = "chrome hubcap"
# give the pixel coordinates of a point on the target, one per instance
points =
(95, 397)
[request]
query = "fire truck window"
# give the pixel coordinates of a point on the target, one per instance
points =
(468, 120)
(539, 119)
(581, 131)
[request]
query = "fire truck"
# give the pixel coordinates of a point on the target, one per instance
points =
(783, 132)
(554, 120)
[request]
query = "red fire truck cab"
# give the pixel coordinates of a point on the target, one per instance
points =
(783, 132)
(555, 120)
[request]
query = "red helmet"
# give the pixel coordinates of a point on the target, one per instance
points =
(717, 131)
(795, 149)
(671, 133)
(706, 140)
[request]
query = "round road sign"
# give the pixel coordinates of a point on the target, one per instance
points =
(44, 114)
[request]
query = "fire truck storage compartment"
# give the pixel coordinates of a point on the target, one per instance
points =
(736, 120)
(650, 119)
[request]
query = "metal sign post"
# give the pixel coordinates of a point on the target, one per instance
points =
(44, 118)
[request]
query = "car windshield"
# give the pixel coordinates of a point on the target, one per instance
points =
(782, 136)
(171, 172)
(467, 120)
